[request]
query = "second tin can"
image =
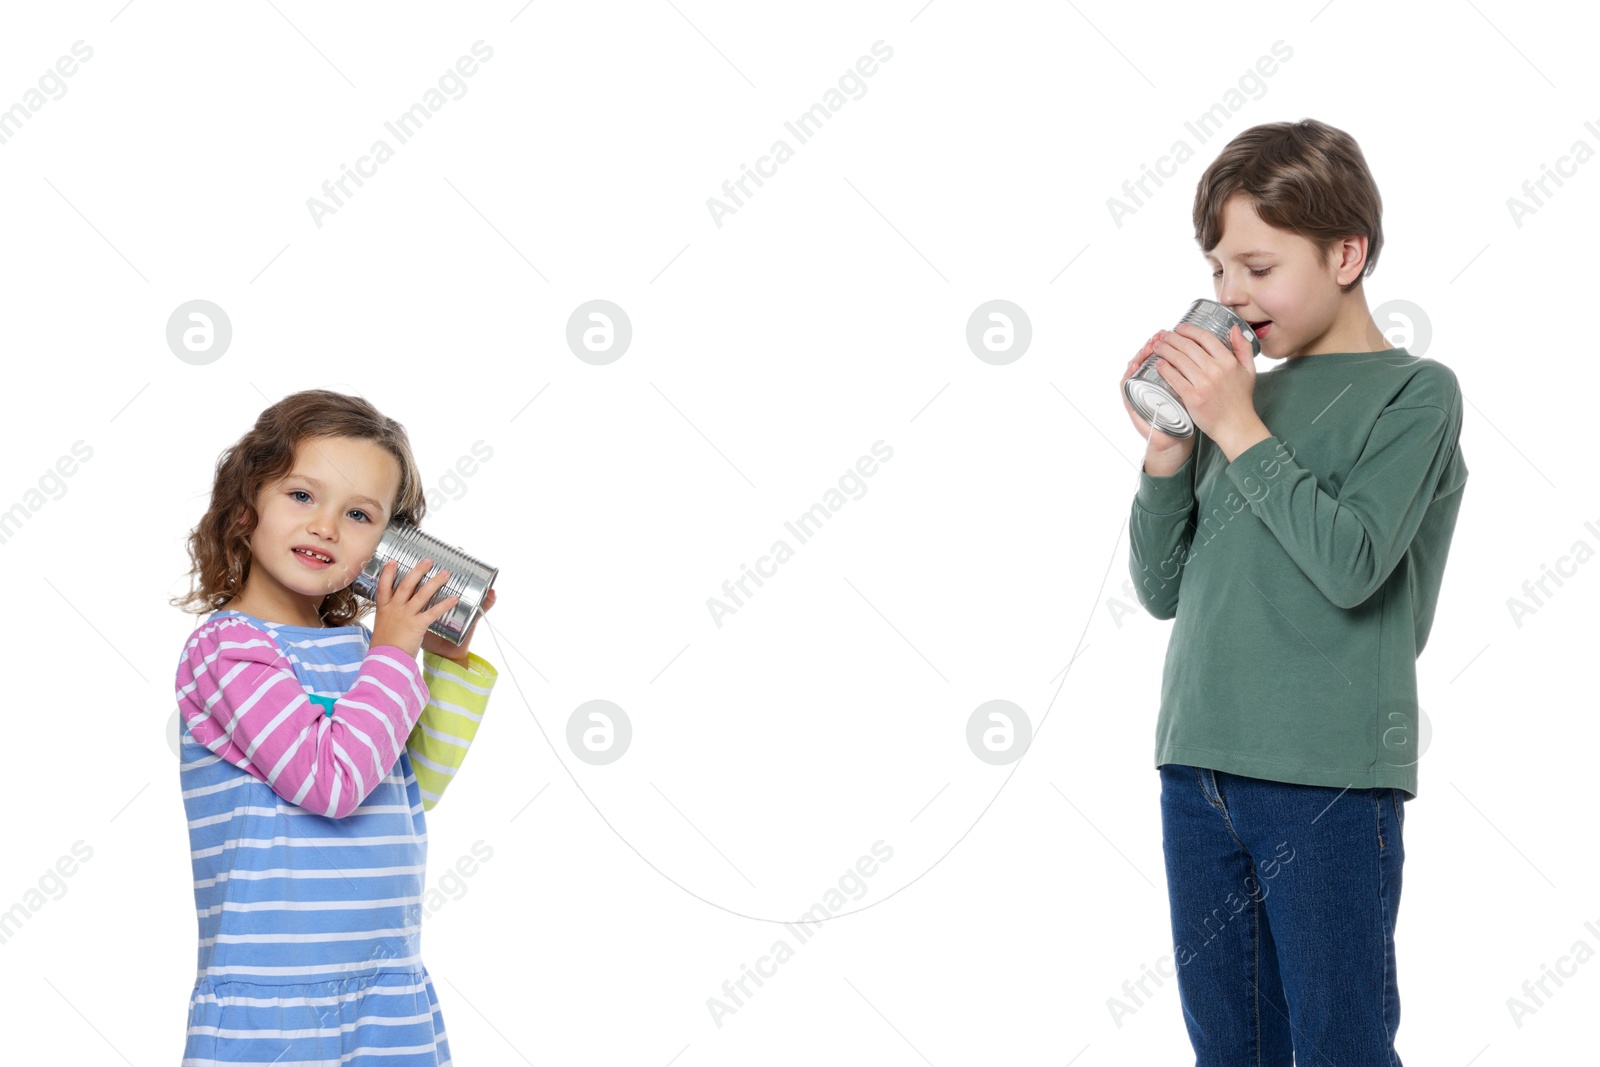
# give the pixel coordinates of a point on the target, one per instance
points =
(1157, 401)
(470, 577)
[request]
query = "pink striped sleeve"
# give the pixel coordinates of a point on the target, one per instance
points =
(241, 699)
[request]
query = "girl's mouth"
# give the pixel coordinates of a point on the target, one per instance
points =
(311, 561)
(1261, 328)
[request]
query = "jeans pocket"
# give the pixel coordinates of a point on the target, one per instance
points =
(1206, 778)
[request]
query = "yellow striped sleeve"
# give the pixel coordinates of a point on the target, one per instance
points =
(457, 697)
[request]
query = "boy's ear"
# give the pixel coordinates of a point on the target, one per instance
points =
(1337, 256)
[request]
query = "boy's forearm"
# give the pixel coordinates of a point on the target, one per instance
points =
(1166, 462)
(1236, 439)
(1230, 442)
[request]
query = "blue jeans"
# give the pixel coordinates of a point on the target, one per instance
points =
(1283, 901)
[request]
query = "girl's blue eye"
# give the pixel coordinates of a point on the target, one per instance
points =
(355, 511)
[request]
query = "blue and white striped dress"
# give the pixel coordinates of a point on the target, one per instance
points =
(310, 927)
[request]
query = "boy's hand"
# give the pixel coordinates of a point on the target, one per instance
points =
(1217, 386)
(432, 642)
(1172, 450)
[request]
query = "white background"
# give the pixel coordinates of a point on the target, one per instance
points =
(768, 354)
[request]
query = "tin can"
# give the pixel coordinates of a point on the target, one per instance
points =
(1157, 401)
(470, 577)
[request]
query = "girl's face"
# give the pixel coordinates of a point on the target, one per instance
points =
(1270, 276)
(335, 502)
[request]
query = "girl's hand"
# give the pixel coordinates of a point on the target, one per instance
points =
(432, 642)
(403, 611)
(1160, 444)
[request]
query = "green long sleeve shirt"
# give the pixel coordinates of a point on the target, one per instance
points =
(1303, 575)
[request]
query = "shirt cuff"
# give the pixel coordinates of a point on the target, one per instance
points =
(1264, 458)
(476, 667)
(1163, 495)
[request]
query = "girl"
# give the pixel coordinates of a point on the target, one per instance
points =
(312, 746)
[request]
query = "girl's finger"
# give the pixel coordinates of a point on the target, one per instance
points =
(427, 589)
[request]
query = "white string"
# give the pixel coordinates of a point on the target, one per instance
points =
(1147, 439)
(806, 918)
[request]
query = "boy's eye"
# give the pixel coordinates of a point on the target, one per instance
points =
(1253, 273)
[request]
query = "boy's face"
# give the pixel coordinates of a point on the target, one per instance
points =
(1275, 280)
(330, 503)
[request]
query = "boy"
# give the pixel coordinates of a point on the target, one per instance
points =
(1299, 540)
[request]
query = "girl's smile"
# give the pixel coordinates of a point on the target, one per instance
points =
(311, 559)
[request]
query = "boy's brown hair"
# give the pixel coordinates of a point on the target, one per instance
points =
(1306, 177)
(218, 552)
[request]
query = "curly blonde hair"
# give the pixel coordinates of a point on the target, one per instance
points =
(218, 547)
